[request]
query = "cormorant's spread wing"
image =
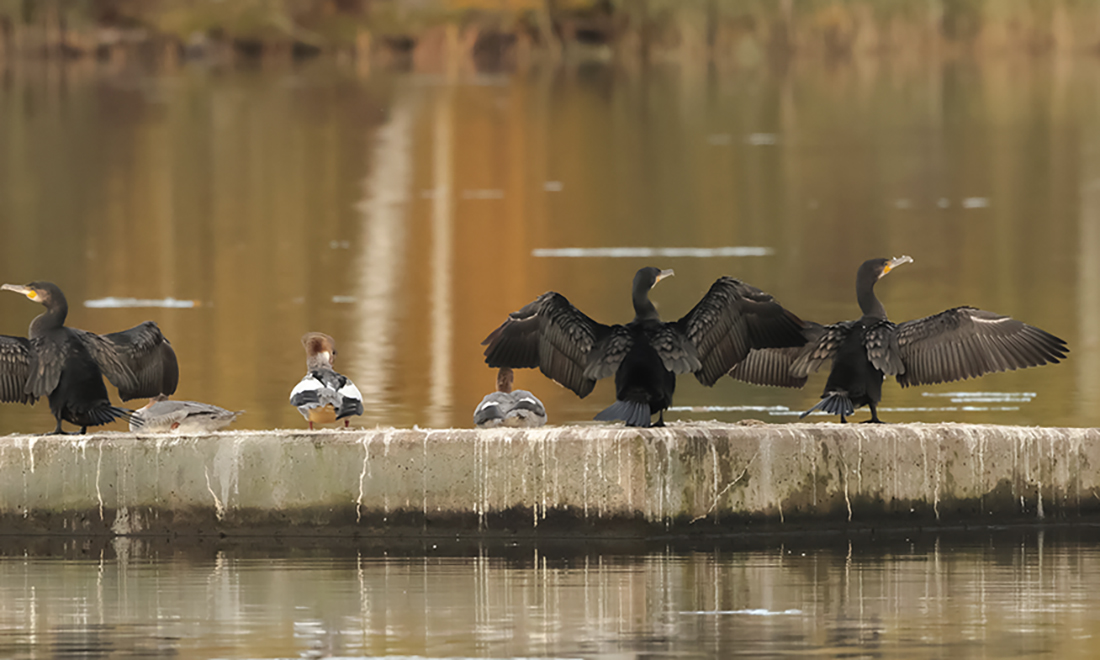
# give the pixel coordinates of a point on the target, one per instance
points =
(818, 352)
(733, 318)
(966, 342)
(139, 362)
(47, 359)
(881, 342)
(677, 352)
(553, 335)
(772, 366)
(16, 359)
(612, 345)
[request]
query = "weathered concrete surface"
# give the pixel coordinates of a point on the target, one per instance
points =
(559, 481)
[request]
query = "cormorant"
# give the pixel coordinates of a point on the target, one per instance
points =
(324, 396)
(959, 343)
(646, 354)
(189, 417)
(506, 407)
(67, 365)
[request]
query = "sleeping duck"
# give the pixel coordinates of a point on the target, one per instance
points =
(191, 417)
(507, 408)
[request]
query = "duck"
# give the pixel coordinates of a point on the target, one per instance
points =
(188, 417)
(324, 396)
(505, 407)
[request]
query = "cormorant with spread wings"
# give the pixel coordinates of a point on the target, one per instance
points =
(67, 365)
(959, 343)
(646, 354)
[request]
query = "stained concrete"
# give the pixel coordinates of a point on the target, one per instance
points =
(572, 481)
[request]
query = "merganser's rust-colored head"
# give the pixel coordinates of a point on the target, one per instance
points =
(320, 349)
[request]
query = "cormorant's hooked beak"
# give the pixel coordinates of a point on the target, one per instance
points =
(663, 274)
(19, 288)
(894, 263)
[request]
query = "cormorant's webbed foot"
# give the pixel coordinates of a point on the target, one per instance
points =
(58, 431)
(660, 420)
(874, 416)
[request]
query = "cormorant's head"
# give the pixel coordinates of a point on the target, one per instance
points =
(874, 269)
(646, 278)
(45, 293)
(319, 346)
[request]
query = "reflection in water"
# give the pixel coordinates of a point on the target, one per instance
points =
(400, 213)
(441, 263)
(1019, 595)
(384, 210)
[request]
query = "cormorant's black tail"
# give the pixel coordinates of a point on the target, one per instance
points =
(104, 415)
(631, 412)
(834, 403)
(136, 421)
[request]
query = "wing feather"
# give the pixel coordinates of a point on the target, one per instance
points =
(732, 319)
(140, 361)
(677, 352)
(16, 359)
(48, 356)
(965, 342)
(608, 353)
(881, 342)
(773, 366)
(559, 339)
(817, 353)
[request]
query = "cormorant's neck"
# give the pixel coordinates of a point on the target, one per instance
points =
(865, 294)
(51, 319)
(643, 308)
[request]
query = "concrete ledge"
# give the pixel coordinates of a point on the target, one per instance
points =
(594, 481)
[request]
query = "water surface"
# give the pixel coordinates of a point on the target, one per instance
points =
(1025, 595)
(407, 213)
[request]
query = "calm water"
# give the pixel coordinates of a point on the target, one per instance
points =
(1013, 595)
(407, 213)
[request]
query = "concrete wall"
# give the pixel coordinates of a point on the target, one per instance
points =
(562, 481)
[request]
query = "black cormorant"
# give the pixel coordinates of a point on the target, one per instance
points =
(67, 365)
(324, 396)
(959, 343)
(646, 354)
(161, 415)
(508, 407)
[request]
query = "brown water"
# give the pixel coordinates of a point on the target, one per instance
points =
(1022, 595)
(402, 213)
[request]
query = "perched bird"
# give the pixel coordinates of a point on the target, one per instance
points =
(161, 415)
(959, 343)
(67, 365)
(324, 396)
(646, 354)
(505, 407)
